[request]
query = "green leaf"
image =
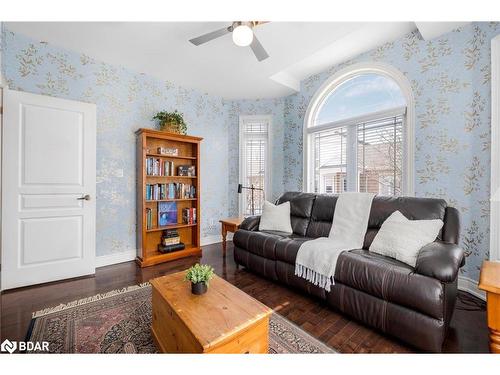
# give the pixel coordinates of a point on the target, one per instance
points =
(200, 273)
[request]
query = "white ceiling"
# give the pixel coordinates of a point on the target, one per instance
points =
(296, 49)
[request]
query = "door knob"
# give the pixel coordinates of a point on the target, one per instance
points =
(86, 197)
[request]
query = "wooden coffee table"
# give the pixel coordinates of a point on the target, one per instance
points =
(223, 320)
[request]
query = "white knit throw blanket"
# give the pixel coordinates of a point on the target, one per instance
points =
(317, 259)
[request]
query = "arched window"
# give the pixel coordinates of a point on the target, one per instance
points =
(358, 133)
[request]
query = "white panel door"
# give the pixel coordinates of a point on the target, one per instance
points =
(48, 189)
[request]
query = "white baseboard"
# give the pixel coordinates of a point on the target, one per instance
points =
(468, 285)
(215, 238)
(208, 240)
(121, 257)
(128, 255)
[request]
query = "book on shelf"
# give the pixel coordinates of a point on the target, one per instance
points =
(149, 218)
(171, 248)
(170, 241)
(168, 233)
(189, 215)
(159, 167)
(173, 190)
(167, 213)
(170, 237)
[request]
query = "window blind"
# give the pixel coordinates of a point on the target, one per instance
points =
(330, 160)
(380, 155)
(366, 156)
(255, 145)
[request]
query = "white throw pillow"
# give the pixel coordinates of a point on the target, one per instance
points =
(402, 239)
(276, 217)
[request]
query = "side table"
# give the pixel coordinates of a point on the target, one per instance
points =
(229, 225)
(489, 281)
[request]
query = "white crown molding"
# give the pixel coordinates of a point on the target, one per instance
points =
(287, 80)
(431, 30)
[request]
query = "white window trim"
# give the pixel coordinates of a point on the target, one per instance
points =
(408, 129)
(268, 173)
(495, 151)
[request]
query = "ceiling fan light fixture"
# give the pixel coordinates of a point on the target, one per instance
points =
(242, 35)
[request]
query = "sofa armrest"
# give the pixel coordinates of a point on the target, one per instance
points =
(251, 223)
(440, 260)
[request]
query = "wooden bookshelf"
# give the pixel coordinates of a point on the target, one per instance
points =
(148, 239)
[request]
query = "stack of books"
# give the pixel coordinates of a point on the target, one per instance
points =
(159, 167)
(189, 215)
(170, 241)
(174, 190)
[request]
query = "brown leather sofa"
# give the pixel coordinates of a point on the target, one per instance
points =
(412, 304)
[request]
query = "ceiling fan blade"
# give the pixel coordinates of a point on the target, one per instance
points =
(210, 36)
(259, 51)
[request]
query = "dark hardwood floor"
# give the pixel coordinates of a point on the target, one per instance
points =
(468, 332)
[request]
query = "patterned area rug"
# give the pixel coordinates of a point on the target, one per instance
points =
(120, 321)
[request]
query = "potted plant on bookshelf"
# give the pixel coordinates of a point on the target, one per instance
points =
(172, 122)
(199, 275)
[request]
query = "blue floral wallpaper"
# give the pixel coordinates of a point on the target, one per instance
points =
(125, 102)
(450, 76)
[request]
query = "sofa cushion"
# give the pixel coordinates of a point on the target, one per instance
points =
(285, 273)
(275, 217)
(256, 263)
(411, 207)
(402, 239)
(259, 243)
(300, 210)
(382, 207)
(322, 215)
(390, 280)
(413, 327)
(383, 277)
(287, 248)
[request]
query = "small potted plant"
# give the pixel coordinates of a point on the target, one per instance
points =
(199, 275)
(172, 122)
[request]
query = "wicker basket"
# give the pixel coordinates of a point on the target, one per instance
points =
(170, 127)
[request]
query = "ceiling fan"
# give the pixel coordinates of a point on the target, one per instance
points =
(243, 36)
